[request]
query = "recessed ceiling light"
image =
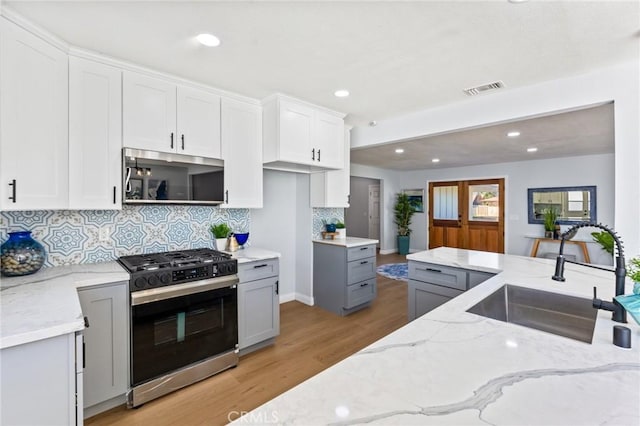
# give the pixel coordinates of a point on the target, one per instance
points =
(513, 134)
(435, 160)
(518, 1)
(399, 151)
(341, 93)
(532, 149)
(208, 40)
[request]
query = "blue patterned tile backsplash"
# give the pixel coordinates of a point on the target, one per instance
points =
(71, 237)
(322, 215)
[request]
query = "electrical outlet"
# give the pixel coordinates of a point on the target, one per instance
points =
(104, 233)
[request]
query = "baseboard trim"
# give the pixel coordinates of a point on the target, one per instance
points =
(284, 298)
(388, 251)
(303, 298)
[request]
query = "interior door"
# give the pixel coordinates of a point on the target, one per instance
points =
(467, 214)
(374, 211)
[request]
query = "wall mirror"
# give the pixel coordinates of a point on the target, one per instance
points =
(573, 204)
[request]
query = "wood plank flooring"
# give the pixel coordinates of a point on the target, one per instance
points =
(310, 341)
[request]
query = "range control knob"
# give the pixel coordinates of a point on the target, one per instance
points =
(165, 278)
(153, 280)
(140, 282)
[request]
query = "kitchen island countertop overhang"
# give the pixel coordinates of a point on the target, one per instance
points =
(454, 367)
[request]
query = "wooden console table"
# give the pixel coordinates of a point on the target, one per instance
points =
(581, 244)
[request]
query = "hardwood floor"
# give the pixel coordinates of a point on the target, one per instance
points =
(310, 341)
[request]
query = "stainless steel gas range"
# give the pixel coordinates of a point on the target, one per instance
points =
(184, 319)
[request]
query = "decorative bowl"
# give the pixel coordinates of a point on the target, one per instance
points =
(242, 238)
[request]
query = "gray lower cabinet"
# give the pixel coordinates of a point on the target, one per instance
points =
(41, 382)
(432, 285)
(258, 304)
(106, 308)
(344, 278)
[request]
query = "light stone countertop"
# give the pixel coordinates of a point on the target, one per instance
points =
(46, 304)
(453, 367)
(348, 242)
(252, 254)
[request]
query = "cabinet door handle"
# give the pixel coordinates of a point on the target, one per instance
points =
(313, 154)
(226, 196)
(84, 355)
(86, 322)
(433, 270)
(363, 248)
(13, 190)
(364, 284)
(114, 195)
(260, 266)
(171, 140)
(318, 154)
(277, 287)
(364, 262)
(182, 137)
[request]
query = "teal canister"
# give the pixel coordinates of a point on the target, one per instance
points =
(21, 255)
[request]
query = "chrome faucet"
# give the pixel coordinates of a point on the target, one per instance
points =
(619, 313)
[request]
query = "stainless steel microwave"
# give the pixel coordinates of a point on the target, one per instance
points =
(151, 177)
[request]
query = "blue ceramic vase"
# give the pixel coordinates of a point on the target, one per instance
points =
(21, 255)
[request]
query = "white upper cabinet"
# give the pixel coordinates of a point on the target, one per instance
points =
(242, 153)
(162, 116)
(34, 116)
(198, 123)
(301, 137)
(332, 189)
(95, 135)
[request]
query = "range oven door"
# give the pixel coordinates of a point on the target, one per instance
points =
(175, 326)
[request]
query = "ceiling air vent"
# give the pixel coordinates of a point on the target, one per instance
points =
(485, 87)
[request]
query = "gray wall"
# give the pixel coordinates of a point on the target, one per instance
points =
(357, 215)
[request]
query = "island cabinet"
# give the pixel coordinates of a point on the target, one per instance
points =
(344, 278)
(41, 382)
(431, 285)
(302, 137)
(258, 304)
(105, 308)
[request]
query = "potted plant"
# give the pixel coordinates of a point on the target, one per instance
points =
(341, 229)
(550, 215)
(633, 272)
(220, 232)
(403, 212)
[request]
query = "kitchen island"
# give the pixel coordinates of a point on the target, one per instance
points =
(453, 367)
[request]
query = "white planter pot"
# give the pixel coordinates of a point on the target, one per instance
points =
(221, 244)
(342, 233)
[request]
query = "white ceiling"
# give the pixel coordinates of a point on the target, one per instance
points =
(395, 57)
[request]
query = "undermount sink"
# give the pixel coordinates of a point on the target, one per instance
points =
(563, 315)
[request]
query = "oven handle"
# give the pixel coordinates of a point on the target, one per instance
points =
(178, 290)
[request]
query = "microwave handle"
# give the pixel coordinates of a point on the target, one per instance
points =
(127, 180)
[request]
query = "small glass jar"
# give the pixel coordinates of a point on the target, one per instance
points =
(21, 255)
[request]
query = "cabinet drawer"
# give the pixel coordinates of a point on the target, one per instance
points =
(360, 293)
(360, 270)
(437, 274)
(257, 270)
(356, 253)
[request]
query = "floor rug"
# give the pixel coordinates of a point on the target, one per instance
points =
(395, 271)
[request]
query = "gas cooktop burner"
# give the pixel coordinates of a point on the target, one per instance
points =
(174, 267)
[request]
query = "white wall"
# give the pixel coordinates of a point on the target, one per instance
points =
(273, 226)
(619, 84)
(304, 247)
(595, 170)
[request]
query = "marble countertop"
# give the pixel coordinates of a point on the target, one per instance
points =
(453, 367)
(46, 304)
(348, 242)
(252, 254)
